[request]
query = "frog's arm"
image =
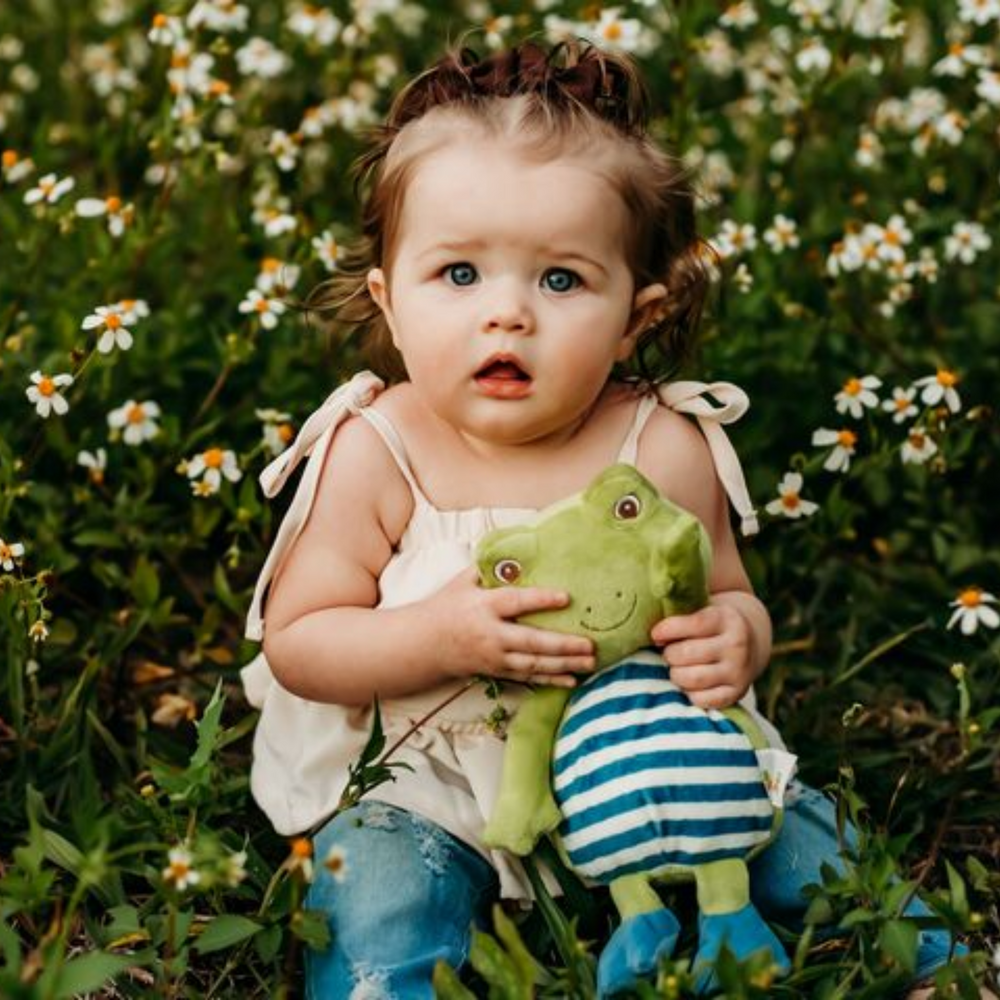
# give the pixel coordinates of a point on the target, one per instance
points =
(525, 808)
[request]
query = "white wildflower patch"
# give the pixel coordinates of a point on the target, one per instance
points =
(742, 14)
(960, 59)
(14, 167)
(285, 149)
(789, 502)
(277, 431)
(870, 151)
(95, 462)
(978, 11)
(276, 275)
(218, 15)
(336, 864)
(261, 58)
(45, 394)
(119, 214)
(988, 86)
(111, 322)
(166, 30)
(966, 242)
(328, 249)
(318, 24)
(782, 234)
(180, 872)
(734, 238)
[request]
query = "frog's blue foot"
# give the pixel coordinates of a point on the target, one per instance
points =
(743, 933)
(635, 950)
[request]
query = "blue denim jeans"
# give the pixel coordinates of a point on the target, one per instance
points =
(408, 893)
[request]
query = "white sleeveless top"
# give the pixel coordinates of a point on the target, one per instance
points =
(303, 749)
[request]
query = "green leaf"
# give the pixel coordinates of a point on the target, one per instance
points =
(956, 888)
(145, 583)
(447, 985)
(209, 727)
(528, 969)
(224, 932)
(90, 972)
(899, 940)
(496, 967)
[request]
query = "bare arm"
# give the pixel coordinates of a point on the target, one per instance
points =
(326, 641)
(715, 654)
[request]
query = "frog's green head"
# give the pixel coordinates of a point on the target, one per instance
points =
(626, 555)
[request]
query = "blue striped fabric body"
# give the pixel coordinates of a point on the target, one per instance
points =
(649, 783)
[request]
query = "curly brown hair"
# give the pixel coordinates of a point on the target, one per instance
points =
(571, 98)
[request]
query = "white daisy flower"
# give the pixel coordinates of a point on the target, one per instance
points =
(218, 15)
(813, 57)
(45, 393)
(135, 422)
(918, 447)
(276, 275)
(960, 58)
(114, 334)
(267, 310)
(845, 256)
(741, 14)
(615, 31)
(131, 310)
(209, 468)
(858, 394)
(925, 266)
(972, 609)
(894, 236)
(166, 30)
(966, 242)
(15, 167)
(258, 57)
(119, 215)
(844, 445)
(327, 249)
(734, 238)
(180, 871)
(335, 862)
(782, 234)
(870, 151)
(285, 149)
(10, 554)
(49, 189)
(789, 502)
(316, 23)
(938, 387)
(277, 432)
(743, 278)
(901, 406)
(95, 462)
(978, 11)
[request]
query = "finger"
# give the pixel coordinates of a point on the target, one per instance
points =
(692, 652)
(540, 641)
(512, 602)
(700, 677)
(541, 665)
(542, 680)
(702, 623)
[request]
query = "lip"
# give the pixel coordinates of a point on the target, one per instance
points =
(590, 627)
(501, 385)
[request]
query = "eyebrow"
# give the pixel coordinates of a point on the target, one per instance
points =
(463, 246)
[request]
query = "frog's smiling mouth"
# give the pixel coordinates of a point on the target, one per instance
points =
(613, 625)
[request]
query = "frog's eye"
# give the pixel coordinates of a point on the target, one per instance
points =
(628, 507)
(507, 571)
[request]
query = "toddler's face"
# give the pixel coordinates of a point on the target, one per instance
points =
(509, 295)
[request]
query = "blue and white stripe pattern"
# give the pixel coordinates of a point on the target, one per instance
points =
(648, 782)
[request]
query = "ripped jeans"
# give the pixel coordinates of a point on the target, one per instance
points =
(408, 893)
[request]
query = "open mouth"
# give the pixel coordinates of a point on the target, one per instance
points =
(503, 376)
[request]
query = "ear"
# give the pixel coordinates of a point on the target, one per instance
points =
(646, 304)
(378, 289)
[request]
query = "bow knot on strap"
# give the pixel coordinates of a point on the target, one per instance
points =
(713, 405)
(346, 399)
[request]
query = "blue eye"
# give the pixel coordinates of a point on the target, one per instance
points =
(558, 279)
(461, 275)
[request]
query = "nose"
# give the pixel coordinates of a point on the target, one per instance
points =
(509, 311)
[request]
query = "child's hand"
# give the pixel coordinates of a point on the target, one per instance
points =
(477, 633)
(709, 654)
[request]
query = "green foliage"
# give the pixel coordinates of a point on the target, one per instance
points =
(132, 861)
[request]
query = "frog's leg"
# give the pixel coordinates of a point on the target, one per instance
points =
(525, 808)
(647, 934)
(728, 917)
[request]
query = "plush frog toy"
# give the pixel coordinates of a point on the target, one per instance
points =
(637, 783)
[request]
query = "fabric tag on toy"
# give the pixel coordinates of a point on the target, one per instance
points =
(777, 769)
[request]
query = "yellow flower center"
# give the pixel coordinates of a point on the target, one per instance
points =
(262, 306)
(847, 439)
(334, 864)
(613, 31)
(9, 158)
(791, 501)
(127, 304)
(285, 433)
(956, 49)
(217, 88)
(302, 848)
(947, 378)
(112, 321)
(892, 237)
(213, 458)
(270, 264)
(160, 21)
(46, 386)
(179, 61)
(852, 386)
(971, 597)
(178, 870)
(136, 413)
(917, 439)
(113, 204)
(5, 552)
(902, 403)
(46, 186)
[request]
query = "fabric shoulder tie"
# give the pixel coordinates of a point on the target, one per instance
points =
(312, 442)
(727, 404)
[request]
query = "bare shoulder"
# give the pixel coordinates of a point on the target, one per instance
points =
(675, 456)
